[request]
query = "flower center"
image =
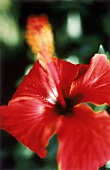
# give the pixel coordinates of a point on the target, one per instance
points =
(66, 109)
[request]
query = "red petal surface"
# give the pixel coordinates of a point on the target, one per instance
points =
(84, 139)
(94, 85)
(38, 84)
(34, 85)
(30, 122)
(67, 73)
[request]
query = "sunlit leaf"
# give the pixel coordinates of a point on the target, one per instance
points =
(101, 50)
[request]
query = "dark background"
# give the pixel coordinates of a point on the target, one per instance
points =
(16, 57)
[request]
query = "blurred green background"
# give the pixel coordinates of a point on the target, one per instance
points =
(79, 28)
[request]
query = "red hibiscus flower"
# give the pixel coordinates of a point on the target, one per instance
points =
(53, 98)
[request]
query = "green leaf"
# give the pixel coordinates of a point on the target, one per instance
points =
(98, 108)
(101, 50)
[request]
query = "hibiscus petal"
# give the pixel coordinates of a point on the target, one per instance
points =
(38, 84)
(30, 122)
(34, 85)
(84, 139)
(94, 85)
(68, 72)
